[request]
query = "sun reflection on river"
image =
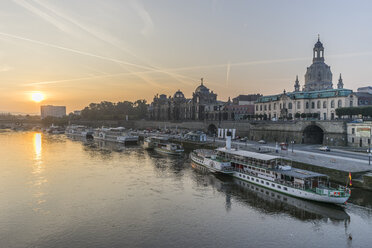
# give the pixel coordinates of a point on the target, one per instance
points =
(38, 171)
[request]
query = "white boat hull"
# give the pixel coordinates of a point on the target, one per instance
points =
(308, 195)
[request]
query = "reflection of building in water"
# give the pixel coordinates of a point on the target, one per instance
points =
(265, 200)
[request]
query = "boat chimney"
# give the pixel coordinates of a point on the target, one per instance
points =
(228, 140)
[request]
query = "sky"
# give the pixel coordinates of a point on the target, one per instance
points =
(78, 52)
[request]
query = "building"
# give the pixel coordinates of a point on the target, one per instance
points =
(53, 111)
(364, 95)
(318, 98)
(246, 99)
(203, 105)
(359, 134)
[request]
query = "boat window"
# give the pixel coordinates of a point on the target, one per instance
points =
(257, 180)
(279, 187)
(273, 185)
(267, 183)
(285, 188)
(262, 181)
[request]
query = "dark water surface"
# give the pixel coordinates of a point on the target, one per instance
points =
(56, 192)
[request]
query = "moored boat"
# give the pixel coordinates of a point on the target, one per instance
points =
(162, 145)
(270, 172)
(118, 134)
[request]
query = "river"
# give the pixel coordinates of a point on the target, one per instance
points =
(59, 192)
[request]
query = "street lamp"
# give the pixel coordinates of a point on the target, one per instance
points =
(292, 142)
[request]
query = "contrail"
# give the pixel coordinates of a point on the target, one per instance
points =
(110, 40)
(42, 15)
(79, 52)
(227, 73)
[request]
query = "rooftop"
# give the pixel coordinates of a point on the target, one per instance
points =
(298, 173)
(308, 95)
(243, 153)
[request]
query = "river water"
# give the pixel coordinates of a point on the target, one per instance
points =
(58, 192)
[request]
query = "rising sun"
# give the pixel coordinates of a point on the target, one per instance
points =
(37, 96)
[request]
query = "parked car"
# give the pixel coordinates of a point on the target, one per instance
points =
(244, 139)
(262, 141)
(324, 149)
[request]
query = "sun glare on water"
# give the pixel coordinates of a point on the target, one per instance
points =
(37, 96)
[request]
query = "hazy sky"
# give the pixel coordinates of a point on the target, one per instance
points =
(77, 52)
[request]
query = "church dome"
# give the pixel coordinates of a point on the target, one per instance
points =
(201, 88)
(178, 94)
(318, 44)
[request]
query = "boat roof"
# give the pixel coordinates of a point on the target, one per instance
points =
(243, 153)
(298, 173)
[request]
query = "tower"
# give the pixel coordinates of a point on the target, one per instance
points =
(297, 85)
(340, 84)
(318, 75)
(318, 52)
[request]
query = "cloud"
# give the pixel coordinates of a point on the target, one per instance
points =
(5, 68)
(148, 27)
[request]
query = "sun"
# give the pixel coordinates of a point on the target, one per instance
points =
(37, 96)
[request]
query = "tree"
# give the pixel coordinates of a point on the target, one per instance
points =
(303, 115)
(309, 115)
(297, 115)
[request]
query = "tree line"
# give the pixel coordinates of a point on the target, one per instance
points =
(104, 111)
(352, 111)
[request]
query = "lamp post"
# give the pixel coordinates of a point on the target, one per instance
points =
(369, 147)
(292, 142)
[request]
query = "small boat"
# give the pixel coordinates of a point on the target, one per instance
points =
(162, 145)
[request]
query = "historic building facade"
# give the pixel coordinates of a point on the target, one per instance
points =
(317, 96)
(203, 105)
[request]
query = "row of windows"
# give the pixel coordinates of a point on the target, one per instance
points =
(262, 181)
(290, 106)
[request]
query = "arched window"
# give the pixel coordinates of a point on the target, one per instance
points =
(265, 107)
(324, 104)
(298, 105)
(318, 104)
(307, 105)
(332, 104)
(312, 105)
(339, 104)
(290, 105)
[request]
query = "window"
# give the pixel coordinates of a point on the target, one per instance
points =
(332, 104)
(269, 106)
(339, 104)
(351, 103)
(324, 104)
(279, 187)
(312, 105)
(273, 185)
(257, 180)
(262, 181)
(352, 140)
(307, 105)
(298, 105)
(318, 104)
(267, 183)
(260, 107)
(274, 106)
(280, 106)
(353, 131)
(324, 116)
(285, 188)
(256, 107)
(290, 105)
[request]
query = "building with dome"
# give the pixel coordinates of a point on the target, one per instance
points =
(318, 98)
(201, 106)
